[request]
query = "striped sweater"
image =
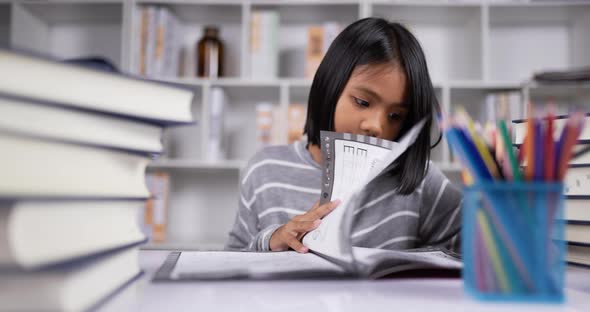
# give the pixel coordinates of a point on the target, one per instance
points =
(280, 182)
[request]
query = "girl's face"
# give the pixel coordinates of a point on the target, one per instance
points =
(372, 102)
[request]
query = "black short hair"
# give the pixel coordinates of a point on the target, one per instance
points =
(374, 41)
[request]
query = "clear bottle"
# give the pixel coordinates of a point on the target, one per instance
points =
(210, 54)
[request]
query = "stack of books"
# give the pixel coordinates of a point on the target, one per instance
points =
(577, 192)
(75, 143)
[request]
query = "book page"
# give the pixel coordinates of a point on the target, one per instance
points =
(255, 265)
(375, 263)
(352, 163)
(349, 163)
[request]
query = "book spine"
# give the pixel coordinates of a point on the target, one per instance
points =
(143, 41)
(264, 114)
(558, 125)
(161, 29)
(278, 125)
(215, 151)
(156, 208)
(172, 46)
(296, 122)
(315, 50)
(152, 25)
(264, 44)
(177, 57)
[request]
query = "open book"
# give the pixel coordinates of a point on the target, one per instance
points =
(350, 162)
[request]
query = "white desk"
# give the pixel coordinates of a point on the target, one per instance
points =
(433, 295)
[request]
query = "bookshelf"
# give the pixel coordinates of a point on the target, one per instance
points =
(472, 47)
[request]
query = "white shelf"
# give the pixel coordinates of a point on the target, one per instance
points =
(484, 85)
(448, 167)
(547, 3)
(306, 83)
(197, 2)
(298, 82)
(440, 3)
(197, 164)
(237, 82)
(182, 246)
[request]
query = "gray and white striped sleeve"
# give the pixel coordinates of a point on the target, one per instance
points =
(440, 223)
(245, 234)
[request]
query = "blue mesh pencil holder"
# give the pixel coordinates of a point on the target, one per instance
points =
(513, 241)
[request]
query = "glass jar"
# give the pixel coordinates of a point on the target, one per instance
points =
(210, 54)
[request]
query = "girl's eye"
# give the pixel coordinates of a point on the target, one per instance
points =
(361, 102)
(395, 116)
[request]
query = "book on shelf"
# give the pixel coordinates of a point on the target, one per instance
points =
(297, 114)
(39, 78)
(265, 113)
(497, 105)
(273, 124)
(570, 75)
(36, 233)
(264, 44)
(519, 129)
(332, 254)
(158, 60)
(150, 43)
(217, 106)
(503, 105)
(173, 46)
(76, 286)
(142, 16)
(156, 207)
(158, 44)
(319, 39)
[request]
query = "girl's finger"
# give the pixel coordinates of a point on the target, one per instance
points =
(296, 245)
(315, 205)
(305, 226)
(322, 210)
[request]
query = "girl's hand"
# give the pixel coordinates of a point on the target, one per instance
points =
(289, 235)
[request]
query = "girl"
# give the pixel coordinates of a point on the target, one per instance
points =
(373, 81)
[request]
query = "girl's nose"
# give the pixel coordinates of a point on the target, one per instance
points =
(372, 125)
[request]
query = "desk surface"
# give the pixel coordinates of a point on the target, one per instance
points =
(431, 295)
